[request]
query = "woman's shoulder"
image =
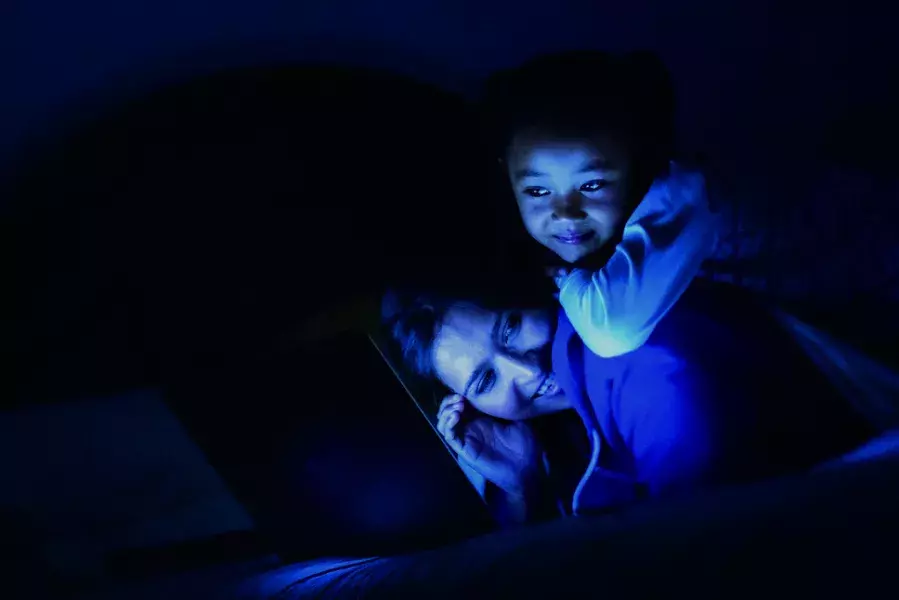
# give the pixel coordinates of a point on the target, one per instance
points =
(721, 313)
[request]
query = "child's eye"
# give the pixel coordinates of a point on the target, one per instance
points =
(536, 192)
(593, 186)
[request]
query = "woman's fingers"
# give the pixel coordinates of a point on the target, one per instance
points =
(441, 425)
(451, 402)
(451, 399)
(448, 417)
(447, 423)
(452, 420)
(443, 421)
(456, 445)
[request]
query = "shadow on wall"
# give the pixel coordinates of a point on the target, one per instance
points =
(201, 219)
(108, 91)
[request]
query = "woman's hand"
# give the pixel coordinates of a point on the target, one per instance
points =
(505, 453)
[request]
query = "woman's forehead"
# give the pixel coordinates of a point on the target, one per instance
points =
(462, 343)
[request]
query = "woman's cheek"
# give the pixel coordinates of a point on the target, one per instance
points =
(491, 406)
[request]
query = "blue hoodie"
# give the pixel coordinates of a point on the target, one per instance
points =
(717, 394)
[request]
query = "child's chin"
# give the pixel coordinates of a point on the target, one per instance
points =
(572, 254)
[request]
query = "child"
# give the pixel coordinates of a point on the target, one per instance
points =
(586, 140)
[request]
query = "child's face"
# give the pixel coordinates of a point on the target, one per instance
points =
(572, 192)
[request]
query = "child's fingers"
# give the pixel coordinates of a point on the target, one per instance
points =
(558, 274)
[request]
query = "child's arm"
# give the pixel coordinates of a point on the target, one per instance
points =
(615, 309)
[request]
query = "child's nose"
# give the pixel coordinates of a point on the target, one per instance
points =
(569, 208)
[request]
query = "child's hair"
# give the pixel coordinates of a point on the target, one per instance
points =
(629, 97)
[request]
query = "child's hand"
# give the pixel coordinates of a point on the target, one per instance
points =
(558, 274)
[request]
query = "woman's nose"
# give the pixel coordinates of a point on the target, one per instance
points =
(569, 208)
(518, 368)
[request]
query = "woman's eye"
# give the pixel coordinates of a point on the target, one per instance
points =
(536, 192)
(513, 323)
(486, 382)
(593, 186)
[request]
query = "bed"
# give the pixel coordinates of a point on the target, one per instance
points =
(830, 532)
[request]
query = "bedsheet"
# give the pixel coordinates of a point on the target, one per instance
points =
(833, 530)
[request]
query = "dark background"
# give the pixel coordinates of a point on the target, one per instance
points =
(176, 243)
(180, 185)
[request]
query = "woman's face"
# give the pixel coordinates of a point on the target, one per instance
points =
(499, 361)
(572, 192)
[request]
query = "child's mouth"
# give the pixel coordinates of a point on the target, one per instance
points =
(575, 237)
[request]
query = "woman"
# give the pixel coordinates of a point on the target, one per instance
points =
(586, 140)
(719, 394)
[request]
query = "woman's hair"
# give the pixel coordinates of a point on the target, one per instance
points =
(413, 327)
(628, 96)
(412, 318)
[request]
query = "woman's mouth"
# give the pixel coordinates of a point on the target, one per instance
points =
(575, 237)
(548, 387)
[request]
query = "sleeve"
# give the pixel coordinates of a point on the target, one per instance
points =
(615, 309)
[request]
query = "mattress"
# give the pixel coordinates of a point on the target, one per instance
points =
(832, 531)
(829, 531)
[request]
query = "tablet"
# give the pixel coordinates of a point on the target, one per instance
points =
(426, 397)
(329, 453)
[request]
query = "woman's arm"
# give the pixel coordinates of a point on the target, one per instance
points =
(534, 502)
(615, 309)
(507, 509)
(503, 461)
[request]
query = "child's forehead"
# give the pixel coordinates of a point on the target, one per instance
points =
(549, 146)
